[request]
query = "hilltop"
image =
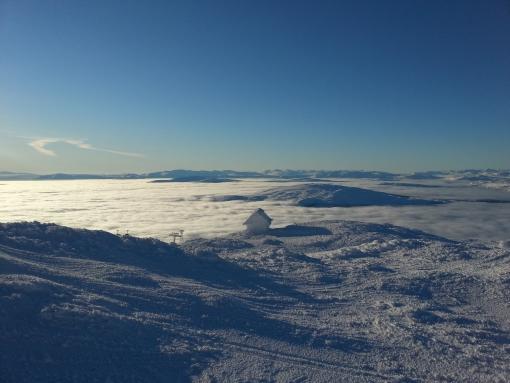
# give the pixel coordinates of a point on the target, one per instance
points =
(329, 195)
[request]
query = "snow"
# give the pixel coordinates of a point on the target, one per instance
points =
(321, 301)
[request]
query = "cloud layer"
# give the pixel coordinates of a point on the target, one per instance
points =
(156, 210)
(40, 145)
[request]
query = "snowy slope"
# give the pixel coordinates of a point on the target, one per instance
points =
(324, 301)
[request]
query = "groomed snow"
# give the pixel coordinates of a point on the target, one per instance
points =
(324, 301)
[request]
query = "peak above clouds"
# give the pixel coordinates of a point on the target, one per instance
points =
(328, 195)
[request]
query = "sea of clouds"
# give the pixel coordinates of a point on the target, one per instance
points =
(157, 209)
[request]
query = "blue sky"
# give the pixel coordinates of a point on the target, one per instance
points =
(121, 86)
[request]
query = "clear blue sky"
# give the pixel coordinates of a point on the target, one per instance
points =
(118, 86)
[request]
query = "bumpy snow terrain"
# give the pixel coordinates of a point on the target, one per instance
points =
(328, 195)
(324, 302)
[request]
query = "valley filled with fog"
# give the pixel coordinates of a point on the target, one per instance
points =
(146, 208)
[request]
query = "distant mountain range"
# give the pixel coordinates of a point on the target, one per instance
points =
(476, 176)
(208, 174)
(179, 173)
(17, 176)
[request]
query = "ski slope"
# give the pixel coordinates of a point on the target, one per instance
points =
(322, 301)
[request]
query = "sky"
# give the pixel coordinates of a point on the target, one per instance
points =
(132, 86)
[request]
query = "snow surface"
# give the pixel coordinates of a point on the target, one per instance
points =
(325, 301)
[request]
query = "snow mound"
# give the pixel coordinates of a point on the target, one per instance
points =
(95, 244)
(330, 195)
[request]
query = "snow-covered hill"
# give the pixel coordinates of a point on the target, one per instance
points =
(330, 195)
(323, 301)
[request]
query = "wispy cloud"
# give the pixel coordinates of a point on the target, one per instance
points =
(40, 145)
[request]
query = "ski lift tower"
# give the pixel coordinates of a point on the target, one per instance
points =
(177, 235)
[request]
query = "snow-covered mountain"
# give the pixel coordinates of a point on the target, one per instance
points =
(491, 178)
(329, 195)
(16, 176)
(363, 174)
(324, 301)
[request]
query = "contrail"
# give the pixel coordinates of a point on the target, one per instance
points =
(40, 145)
